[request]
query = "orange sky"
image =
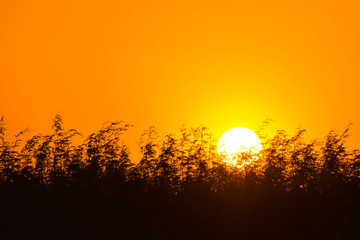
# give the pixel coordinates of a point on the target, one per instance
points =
(221, 64)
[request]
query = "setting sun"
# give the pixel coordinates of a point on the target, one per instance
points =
(237, 141)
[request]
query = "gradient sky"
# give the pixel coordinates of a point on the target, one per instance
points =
(221, 64)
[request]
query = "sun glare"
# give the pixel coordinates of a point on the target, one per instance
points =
(237, 142)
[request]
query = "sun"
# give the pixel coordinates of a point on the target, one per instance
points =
(239, 145)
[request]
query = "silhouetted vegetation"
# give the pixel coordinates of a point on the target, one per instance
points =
(51, 188)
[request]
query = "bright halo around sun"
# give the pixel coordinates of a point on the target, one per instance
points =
(239, 146)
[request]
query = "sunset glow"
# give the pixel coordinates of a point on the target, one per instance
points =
(121, 119)
(218, 63)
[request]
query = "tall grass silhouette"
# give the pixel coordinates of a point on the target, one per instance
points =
(180, 189)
